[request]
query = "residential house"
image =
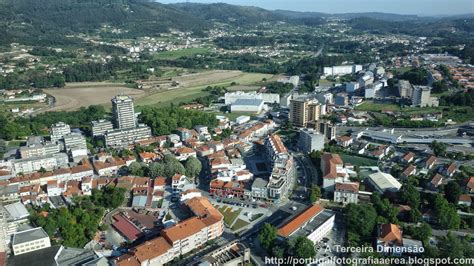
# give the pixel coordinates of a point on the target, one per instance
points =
(346, 192)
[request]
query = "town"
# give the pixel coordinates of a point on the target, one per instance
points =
(221, 149)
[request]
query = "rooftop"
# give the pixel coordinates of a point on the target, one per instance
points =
(16, 211)
(299, 220)
(29, 235)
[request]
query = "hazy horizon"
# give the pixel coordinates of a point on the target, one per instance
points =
(405, 7)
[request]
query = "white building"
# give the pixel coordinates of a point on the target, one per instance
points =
(314, 222)
(30, 240)
(35, 164)
(311, 140)
(58, 131)
(123, 137)
(232, 97)
(123, 112)
(247, 105)
(421, 97)
(342, 70)
(383, 182)
(346, 192)
(99, 128)
(242, 119)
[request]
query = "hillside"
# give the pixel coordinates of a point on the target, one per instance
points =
(48, 21)
(230, 14)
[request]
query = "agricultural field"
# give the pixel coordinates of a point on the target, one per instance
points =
(191, 86)
(169, 55)
(82, 94)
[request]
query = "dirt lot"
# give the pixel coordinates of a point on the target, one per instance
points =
(76, 95)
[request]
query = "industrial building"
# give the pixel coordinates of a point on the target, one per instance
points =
(247, 105)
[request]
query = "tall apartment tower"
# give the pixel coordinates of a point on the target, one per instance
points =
(123, 112)
(421, 96)
(304, 110)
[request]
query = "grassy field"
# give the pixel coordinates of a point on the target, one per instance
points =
(181, 53)
(358, 160)
(239, 224)
(192, 86)
(377, 107)
(229, 215)
(79, 94)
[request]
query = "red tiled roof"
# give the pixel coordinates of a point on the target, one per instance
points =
(298, 221)
(353, 187)
(390, 233)
(465, 198)
(125, 227)
(330, 162)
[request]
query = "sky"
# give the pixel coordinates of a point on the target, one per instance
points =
(412, 7)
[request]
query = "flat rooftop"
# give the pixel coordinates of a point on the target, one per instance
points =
(16, 211)
(29, 235)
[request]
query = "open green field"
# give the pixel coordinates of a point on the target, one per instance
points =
(181, 53)
(239, 224)
(229, 215)
(188, 93)
(377, 107)
(358, 160)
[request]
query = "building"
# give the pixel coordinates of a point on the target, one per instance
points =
(247, 105)
(30, 240)
(383, 182)
(341, 70)
(311, 140)
(100, 127)
(35, 164)
(12, 216)
(206, 224)
(75, 145)
(58, 131)
(421, 97)
(304, 110)
(389, 236)
(58, 255)
(326, 128)
(346, 192)
(123, 112)
(38, 150)
(314, 222)
(405, 90)
(270, 98)
(282, 175)
(259, 189)
(231, 254)
(123, 137)
(352, 87)
(333, 170)
(385, 135)
(342, 99)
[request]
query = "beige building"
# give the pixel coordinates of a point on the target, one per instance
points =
(304, 110)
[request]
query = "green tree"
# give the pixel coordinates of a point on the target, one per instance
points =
(156, 169)
(267, 236)
(136, 169)
(361, 220)
(193, 166)
(439, 148)
(446, 213)
(452, 191)
(303, 247)
(314, 194)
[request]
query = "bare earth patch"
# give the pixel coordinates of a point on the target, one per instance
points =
(83, 94)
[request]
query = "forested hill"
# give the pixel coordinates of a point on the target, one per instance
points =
(48, 21)
(230, 14)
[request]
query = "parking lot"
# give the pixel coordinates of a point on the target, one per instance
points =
(326, 248)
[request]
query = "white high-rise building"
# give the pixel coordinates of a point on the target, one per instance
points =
(421, 96)
(123, 112)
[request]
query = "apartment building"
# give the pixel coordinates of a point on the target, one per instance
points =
(124, 137)
(310, 140)
(100, 127)
(304, 110)
(59, 130)
(206, 224)
(123, 112)
(38, 150)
